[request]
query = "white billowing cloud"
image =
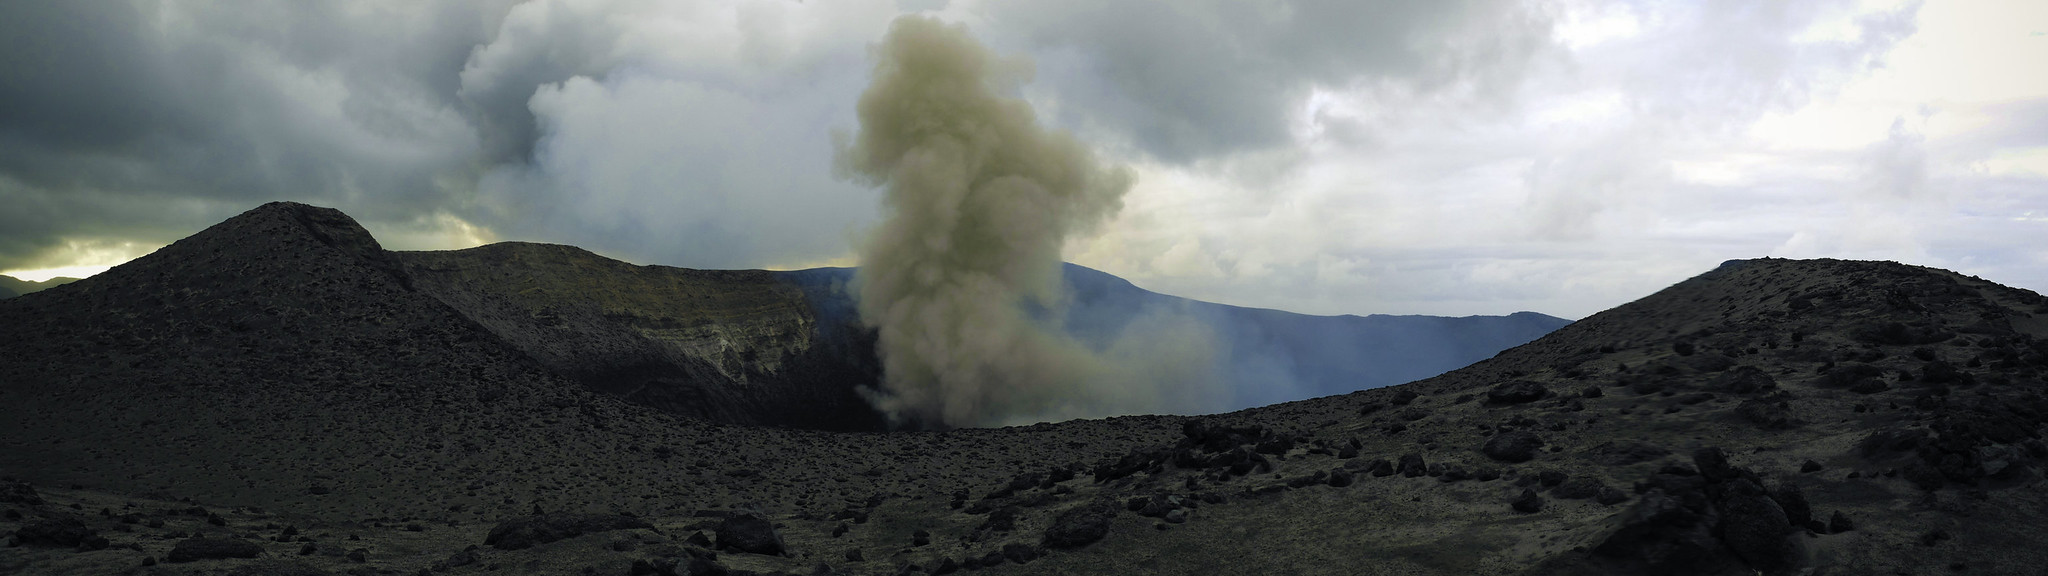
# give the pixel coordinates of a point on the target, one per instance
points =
(1660, 139)
(692, 134)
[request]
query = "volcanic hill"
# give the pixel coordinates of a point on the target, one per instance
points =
(278, 395)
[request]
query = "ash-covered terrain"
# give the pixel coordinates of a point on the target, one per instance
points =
(279, 395)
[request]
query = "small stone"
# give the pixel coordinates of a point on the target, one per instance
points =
(1839, 523)
(1528, 502)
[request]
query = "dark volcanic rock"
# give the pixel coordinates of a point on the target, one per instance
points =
(1512, 447)
(1756, 527)
(527, 532)
(1579, 488)
(749, 533)
(1745, 380)
(1798, 512)
(1412, 465)
(65, 531)
(1627, 452)
(1020, 553)
(1380, 467)
(1840, 522)
(19, 493)
(1712, 463)
(1528, 502)
(278, 568)
(1663, 536)
(1516, 392)
(1080, 526)
(1768, 413)
(202, 548)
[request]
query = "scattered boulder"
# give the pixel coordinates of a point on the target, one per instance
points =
(1412, 466)
(1756, 527)
(1798, 512)
(278, 568)
(19, 493)
(1380, 467)
(1610, 496)
(1899, 334)
(530, 531)
(1516, 392)
(1768, 413)
(1745, 380)
(66, 532)
(1626, 453)
(1514, 446)
(203, 548)
(1709, 363)
(1020, 553)
(1403, 397)
(1081, 525)
(1853, 375)
(1662, 535)
(1924, 476)
(749, 533)
(1528, 502)
(1579, 488)
(1712, 463)
(1839, 523)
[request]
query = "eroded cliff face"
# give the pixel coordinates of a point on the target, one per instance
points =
(739, 323)
(727, 345)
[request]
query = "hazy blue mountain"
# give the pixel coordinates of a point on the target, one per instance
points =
(1271, 355)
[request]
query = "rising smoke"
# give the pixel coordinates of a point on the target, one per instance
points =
(979, 201)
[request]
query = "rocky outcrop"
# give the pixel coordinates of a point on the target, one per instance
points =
(732, 346)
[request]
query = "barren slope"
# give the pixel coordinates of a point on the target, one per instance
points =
(278, 372)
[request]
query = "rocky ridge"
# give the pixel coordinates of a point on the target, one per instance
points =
(1769, 416)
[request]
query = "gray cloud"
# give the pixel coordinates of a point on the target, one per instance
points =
(135, 121)
(1191, 80)
(538, 43)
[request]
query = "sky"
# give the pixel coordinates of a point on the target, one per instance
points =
(1319, 156)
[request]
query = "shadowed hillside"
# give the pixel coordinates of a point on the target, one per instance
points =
(275, 395)
(735, 346)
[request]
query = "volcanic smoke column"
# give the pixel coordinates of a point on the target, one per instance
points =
(979, 201)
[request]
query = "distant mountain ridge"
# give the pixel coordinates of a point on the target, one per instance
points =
(1273, 355)
(11, 286)
(780, 348)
